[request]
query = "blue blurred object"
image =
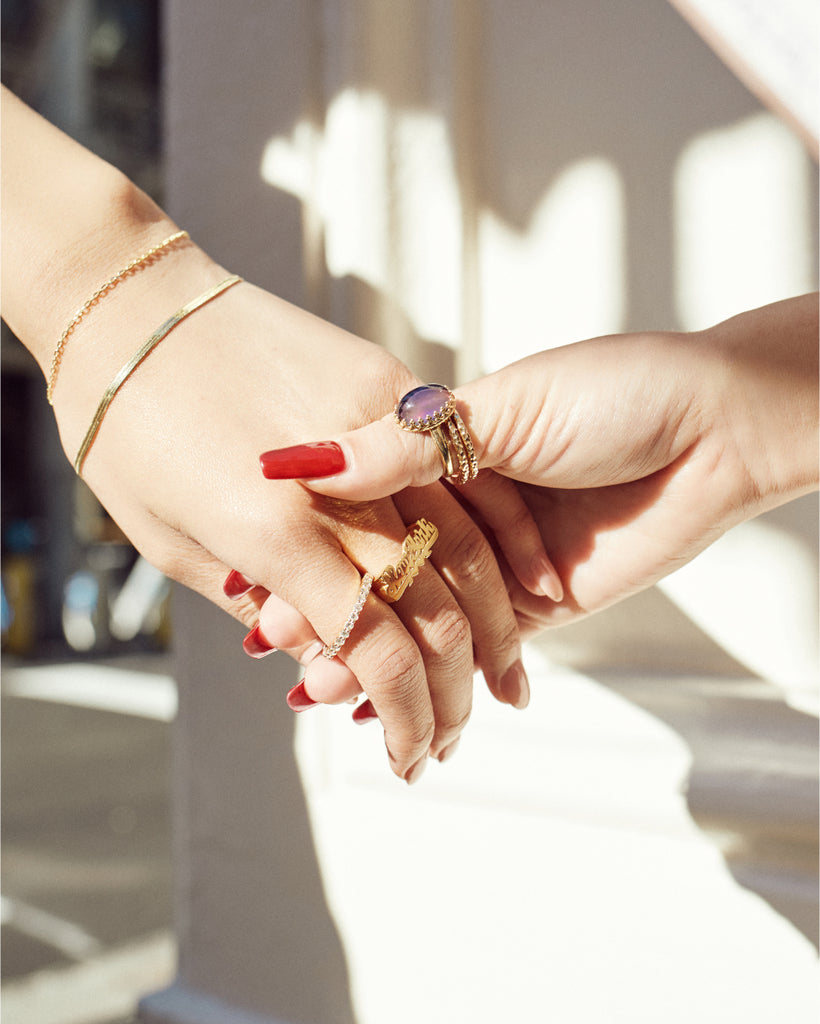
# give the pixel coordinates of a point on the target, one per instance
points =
(6, 613)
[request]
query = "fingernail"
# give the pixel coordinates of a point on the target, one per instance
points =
(236, 585)
(364, 713)
(549, 583)
(416, 772)
(515, 687)
(256, 645)
(298, 699)
(448, 751)
(320, 458)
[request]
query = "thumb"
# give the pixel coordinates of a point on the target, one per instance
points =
(374, 461)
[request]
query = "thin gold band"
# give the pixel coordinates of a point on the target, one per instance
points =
(135, 264)
(161, 332)
(439, 436)
(462, 442)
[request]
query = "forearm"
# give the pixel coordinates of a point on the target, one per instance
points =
(69, 221)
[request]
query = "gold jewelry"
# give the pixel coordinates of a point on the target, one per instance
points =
(392, 582)
(332, 649)
(140, 261)
(161, 332)
(431, 408)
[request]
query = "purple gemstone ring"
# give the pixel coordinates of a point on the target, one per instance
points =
(425, 407)
(432, 408)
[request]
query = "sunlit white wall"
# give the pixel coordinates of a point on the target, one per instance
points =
(382, 183)
(563, 277)
(743, 220)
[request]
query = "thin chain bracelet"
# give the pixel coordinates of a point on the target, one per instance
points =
(135, 264)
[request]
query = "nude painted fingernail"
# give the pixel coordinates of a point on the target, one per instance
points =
(298, 699)
(256, 645)
(549, 582)
(515, 687)
(416, 772)
(364, 713)
(448, 751)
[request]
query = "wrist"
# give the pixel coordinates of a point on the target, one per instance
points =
(70, 221)
(63, 269)
(768, 401)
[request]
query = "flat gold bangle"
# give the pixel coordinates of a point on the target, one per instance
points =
(161, 332)
(135, 264)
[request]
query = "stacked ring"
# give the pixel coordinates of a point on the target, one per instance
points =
(332, 649)
(432, 408)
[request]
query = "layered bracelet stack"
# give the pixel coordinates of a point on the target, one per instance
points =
(136, 264)
(143, 260)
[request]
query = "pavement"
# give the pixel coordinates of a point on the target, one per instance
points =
(86, 862)
(668, 822)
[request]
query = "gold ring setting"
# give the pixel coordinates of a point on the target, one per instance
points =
(392, 581)
(432, 408)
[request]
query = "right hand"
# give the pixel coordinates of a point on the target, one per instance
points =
(633, 452)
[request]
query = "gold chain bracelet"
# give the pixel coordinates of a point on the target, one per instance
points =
(136, 264)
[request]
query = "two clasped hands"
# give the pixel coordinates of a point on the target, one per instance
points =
(603, 465)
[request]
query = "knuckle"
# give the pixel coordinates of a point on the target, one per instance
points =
(449, 633)
(472, 557)
(395, 668)
(507, 638)
(393, 677)
(460, 724)
(519, 522)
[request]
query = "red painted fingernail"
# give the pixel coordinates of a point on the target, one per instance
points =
(298, 699)
(236, 585)
(256, 645)
(320, 458)
(364, 713)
